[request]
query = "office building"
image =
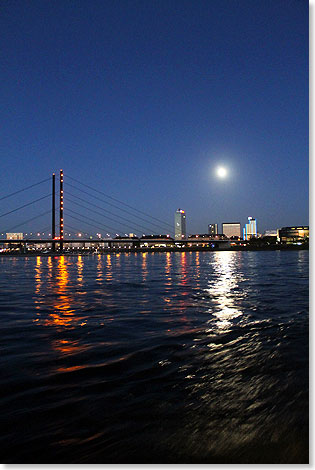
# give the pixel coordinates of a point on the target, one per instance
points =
(250, 229)
(180, 224)
(293, 235)
(14, 236)
(213, 229)
(231, 229)
(271, 233)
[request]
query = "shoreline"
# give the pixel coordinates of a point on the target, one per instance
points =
(156, 250)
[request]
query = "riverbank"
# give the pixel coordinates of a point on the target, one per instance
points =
(158, 250)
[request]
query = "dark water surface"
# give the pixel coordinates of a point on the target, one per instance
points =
(151, 358)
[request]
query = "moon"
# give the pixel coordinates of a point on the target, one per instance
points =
(221, 172)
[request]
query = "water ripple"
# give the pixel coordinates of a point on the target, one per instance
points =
(155, 358)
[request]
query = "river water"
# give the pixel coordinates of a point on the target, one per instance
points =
(155, 358)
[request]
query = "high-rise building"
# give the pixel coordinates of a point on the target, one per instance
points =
(231, 229)
(250, 229)
(180, 224)
(213, 229)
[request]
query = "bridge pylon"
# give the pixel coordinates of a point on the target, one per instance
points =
(53, 215)
(61, 210)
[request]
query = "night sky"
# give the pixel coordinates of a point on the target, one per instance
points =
(144, 99)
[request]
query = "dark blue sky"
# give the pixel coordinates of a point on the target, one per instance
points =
(143, 99)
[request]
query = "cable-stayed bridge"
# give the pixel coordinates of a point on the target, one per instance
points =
(82, 217)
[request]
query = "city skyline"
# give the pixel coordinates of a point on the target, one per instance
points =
(150, 113)
(85, 222)
(244, 231)
(242, 228)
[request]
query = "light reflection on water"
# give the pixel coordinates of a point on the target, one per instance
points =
(58, 295)
(214, 344)
(109, 274)
(144, 266)
(222, 288)
(38, 273)
(80, 271)
(197, 262)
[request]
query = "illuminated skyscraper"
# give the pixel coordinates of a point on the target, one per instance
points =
(250, 229)
(213, 229)
(180, 224)
(231, 229)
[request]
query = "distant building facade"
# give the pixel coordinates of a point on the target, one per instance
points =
(271, 233)
(180, 224)
(294, 234)
(231, 229)
(213, 229)
(14, 236)
(250, 229)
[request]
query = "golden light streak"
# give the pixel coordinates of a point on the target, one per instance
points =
(144, 266)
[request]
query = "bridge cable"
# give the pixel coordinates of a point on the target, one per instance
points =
(120, 202)
(113, 205)
(76, 230)
(99, 227)
(24, 189)
(26, 222)
(103, 215)
(25, 205)
(109, 212)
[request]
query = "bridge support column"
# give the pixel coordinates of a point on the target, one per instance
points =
(53, 215)
(61, 210)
